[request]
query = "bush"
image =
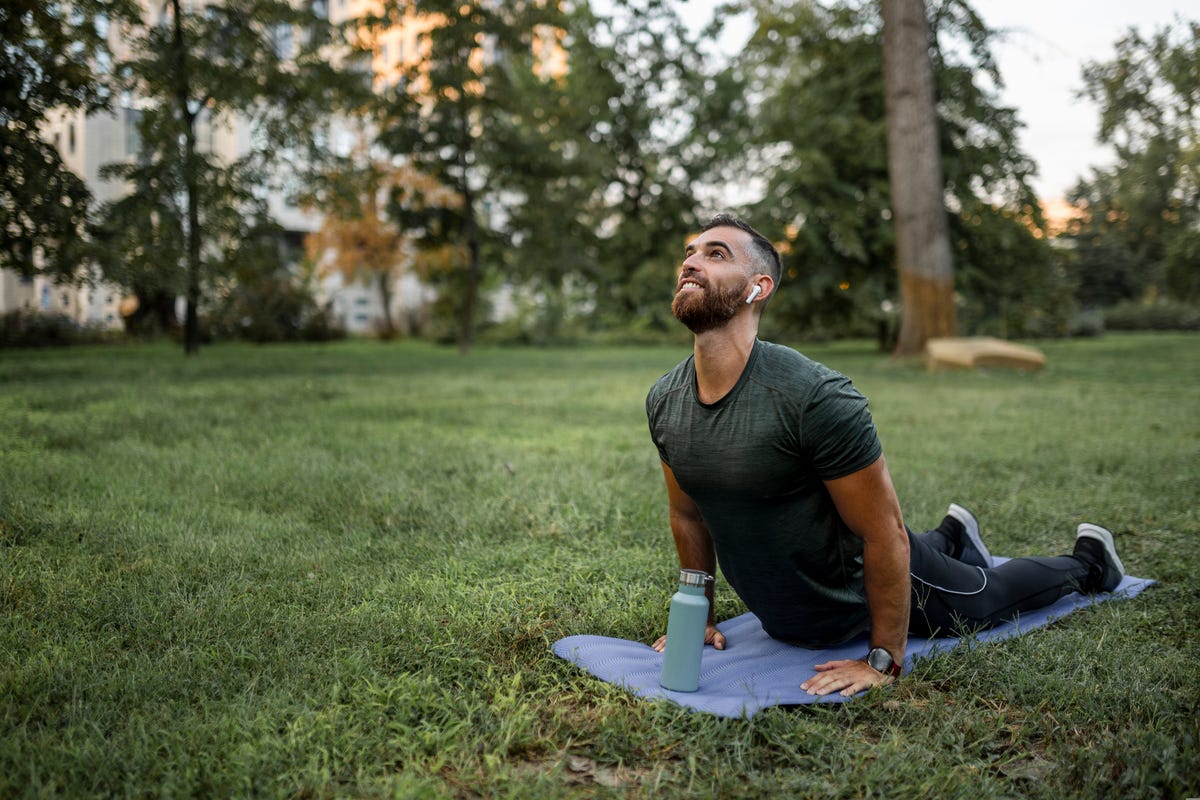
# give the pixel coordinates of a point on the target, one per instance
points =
(1162, 316)
(1086, 323)
(273, 308)
(25, 329)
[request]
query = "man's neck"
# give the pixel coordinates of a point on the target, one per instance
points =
(721, 356)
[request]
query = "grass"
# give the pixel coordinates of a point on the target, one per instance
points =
(320, 571)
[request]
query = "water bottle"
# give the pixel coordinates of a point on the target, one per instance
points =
(685, 632)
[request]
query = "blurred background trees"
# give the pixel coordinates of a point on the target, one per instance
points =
(194, 68)
(1137, 237)
(53, 59)
(541, 165)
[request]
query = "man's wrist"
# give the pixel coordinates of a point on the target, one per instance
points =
(881, 660)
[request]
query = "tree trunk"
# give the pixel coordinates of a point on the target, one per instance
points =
(385, 297)
(466, 334)
(191, 324)
(923, 257)
(155, 313)
(385, 275)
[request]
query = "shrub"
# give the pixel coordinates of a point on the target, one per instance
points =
(271, 308)
(1162, 316)
(1087, 323)
(26, 329)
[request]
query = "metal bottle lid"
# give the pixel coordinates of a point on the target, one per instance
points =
(694, 577)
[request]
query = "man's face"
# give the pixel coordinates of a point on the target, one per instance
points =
(714, 279)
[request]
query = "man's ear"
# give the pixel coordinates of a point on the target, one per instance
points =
(762, 288)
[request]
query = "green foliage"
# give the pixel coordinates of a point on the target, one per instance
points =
(263, 299)
(337, 570)
(435, 118)
(261, 64)
(48, 63)
(641, 77)
(1183, 266)
(817, 144)
(1159, 316)
(820, 147)
(1012, 284)
(26, 329)
(1136, 237)
(575, 186)
(141, 242)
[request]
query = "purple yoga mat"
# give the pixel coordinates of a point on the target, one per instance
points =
(756, 671)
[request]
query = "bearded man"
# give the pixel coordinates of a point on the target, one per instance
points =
(775, 472)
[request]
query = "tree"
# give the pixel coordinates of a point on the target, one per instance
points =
(51, 60)
(437, 120)
(357, 239)
(923, 257)
(549, 163)
(649, 126)
(1140, 216)
(266, 64)
(811, 129)
(357, 243)
(598, 165)
(562, 137)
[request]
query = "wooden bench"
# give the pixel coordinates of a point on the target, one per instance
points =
(981, 352)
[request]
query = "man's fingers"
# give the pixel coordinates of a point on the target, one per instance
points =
(714, 637)
(711, 636)
(849, 677)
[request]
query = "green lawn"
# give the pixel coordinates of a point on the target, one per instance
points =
(337, 570)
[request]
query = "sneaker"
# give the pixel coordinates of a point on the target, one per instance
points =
(1094, 545)
(973, 551)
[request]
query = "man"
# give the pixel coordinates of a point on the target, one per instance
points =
(774, 470)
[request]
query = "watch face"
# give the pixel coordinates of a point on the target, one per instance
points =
(881, 660)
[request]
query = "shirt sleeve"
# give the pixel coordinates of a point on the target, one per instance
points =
(837, 430)
(653, 406)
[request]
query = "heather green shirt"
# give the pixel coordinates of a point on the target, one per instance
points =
(754, 463)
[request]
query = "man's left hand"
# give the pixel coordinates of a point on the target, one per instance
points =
(850, 677)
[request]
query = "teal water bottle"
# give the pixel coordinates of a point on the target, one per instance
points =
(685, 632)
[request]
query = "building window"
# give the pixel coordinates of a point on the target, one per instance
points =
(133, 142)
(71, 138)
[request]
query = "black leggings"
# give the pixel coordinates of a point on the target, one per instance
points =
(953, 598)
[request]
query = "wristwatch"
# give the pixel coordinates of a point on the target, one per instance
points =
(881, 660)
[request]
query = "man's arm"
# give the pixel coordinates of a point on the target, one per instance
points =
(867, 503)
(694, 546)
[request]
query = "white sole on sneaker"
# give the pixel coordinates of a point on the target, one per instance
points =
(971, 526)
(1087, 530)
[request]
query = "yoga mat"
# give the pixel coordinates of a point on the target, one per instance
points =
(755, 671)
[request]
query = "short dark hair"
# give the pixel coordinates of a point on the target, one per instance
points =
(763, 252)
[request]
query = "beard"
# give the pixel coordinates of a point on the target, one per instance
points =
(709, 308)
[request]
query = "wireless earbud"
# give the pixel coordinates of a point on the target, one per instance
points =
(755, 292)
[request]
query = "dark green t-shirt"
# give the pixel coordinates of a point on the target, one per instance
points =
(754, 463)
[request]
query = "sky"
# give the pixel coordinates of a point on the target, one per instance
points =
(1041, 56)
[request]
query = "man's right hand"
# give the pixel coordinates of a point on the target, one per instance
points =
(711, 636)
